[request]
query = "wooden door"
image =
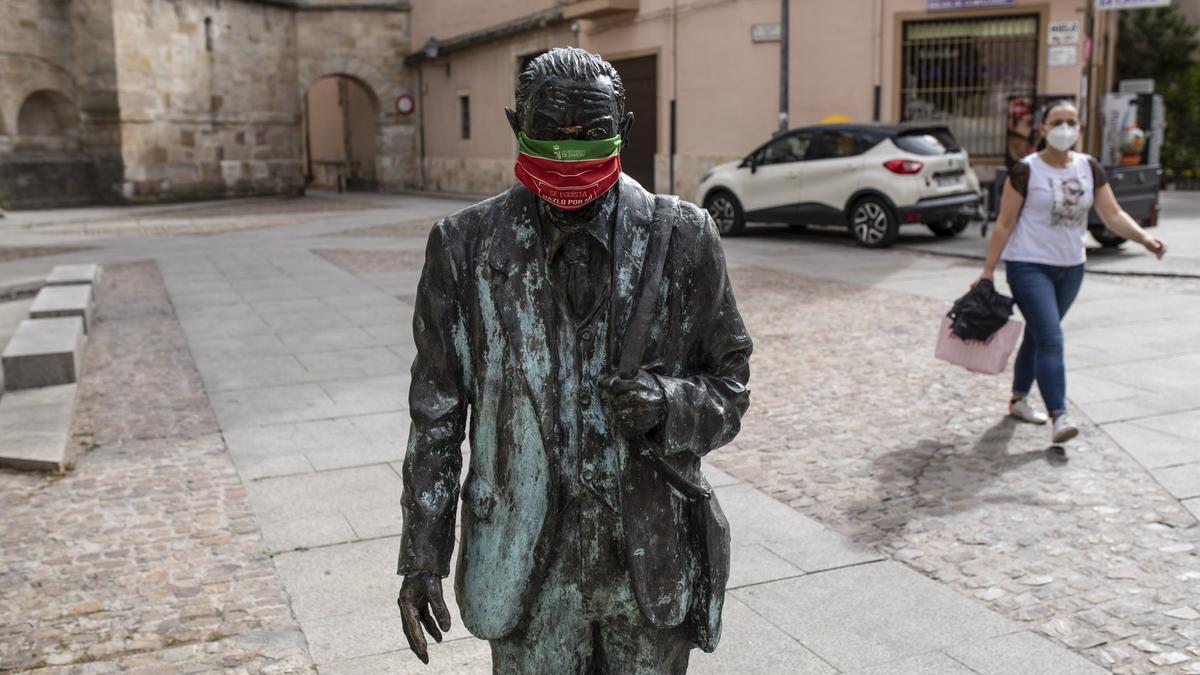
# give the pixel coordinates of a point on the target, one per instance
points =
(640, 77)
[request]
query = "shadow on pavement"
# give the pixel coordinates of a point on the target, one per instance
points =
(931, 480)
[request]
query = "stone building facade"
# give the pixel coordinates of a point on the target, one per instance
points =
(155, 100)
(703, 75)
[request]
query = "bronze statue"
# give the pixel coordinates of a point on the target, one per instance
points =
(589, 328)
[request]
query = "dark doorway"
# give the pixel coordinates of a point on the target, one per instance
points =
(640, 77)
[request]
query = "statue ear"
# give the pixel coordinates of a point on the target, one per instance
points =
(623, 129)
(513, 121)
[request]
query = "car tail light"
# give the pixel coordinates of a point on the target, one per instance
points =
(904, 167)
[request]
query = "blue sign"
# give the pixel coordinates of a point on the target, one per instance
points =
(935, 5)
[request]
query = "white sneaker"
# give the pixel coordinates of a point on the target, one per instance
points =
(1064, 429)
(1021, 410)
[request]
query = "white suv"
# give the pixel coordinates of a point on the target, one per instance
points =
(871, 178)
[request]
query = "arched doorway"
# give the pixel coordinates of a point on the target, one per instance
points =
(48, 120)
(342, 128)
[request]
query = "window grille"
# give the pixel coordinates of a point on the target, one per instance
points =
(962, 74)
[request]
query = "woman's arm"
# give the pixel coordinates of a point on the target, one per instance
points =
(1121, 224)
(1010, 207)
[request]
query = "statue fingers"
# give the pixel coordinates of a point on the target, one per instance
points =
(429, 623)
(438, 604)
(412, 632)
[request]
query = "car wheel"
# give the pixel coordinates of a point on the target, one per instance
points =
(726, 212)
(947, 228)
(1106, 238)
(873, 224)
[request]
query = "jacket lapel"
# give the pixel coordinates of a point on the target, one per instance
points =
(521, 293)
(635, 212)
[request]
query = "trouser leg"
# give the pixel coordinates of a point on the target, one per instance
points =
(1035, 292)
(1023, 368)
(643, 650)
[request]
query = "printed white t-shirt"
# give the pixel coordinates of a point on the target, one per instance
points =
(1053, 220)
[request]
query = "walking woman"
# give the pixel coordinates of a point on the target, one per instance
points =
(1040, 236)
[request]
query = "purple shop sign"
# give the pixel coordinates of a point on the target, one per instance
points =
(935, 5)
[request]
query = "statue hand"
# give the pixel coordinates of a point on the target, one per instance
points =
(420, 603)
(638, 403)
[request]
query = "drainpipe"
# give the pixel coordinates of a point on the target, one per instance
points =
(783, 67)
(878, 93)
(421, 124)
(674, 95)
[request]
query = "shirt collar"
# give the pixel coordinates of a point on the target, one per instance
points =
(599, 228)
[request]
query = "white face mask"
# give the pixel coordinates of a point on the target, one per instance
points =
(1063, 137)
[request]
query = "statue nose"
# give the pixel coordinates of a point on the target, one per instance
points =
(570, 132)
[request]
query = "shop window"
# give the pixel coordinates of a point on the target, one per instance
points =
(464, 116)
(962, 74)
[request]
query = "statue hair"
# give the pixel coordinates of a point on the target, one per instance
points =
(571, 63)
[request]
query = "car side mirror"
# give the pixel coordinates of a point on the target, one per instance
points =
(749, 162)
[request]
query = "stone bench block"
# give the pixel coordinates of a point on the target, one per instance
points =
(36, 427)
(73, 275)
(61, 301)
(43, 353)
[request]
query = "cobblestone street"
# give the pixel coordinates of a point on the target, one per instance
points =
(916, 458)
(145, 557)
(233, 503)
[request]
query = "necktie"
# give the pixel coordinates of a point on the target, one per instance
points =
(576, 255)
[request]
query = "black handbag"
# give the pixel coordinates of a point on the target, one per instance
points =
(980, 313)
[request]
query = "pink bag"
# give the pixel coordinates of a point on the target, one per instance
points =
(989, 357)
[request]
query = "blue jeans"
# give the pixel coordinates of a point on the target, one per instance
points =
(1044, 293)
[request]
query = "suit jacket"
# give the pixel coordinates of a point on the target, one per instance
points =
(480, 326)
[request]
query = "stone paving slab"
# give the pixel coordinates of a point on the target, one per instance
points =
(1183, 480)
(1151, 446)
(789, 536)
(36, 427)
(933, 663)
(872, 614)
(286, 506)
(1021, 653)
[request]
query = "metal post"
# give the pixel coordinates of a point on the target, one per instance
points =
(783, 67)
(671, 157)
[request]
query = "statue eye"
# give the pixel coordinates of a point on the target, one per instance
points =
(597, 134)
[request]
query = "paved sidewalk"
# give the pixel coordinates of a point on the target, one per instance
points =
(1179, 226)
(300, 328)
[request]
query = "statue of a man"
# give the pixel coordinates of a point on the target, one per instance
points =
(589, 330)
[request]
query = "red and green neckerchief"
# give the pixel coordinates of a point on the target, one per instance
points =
(568, 174)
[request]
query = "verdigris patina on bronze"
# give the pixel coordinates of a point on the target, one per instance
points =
(585, 332)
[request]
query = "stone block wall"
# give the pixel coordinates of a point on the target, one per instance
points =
(207, 99)
(468, 176)
(689, 169)
(189, 99)
(62, 51)
(368, 46)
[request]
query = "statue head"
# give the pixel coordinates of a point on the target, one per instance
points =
(569, 94)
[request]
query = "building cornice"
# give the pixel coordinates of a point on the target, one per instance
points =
(316, 6)
(437, 48)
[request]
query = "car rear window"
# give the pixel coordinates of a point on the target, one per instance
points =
(928, 142)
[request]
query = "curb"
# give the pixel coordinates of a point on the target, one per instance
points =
(20, 288)
(1089, 270)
